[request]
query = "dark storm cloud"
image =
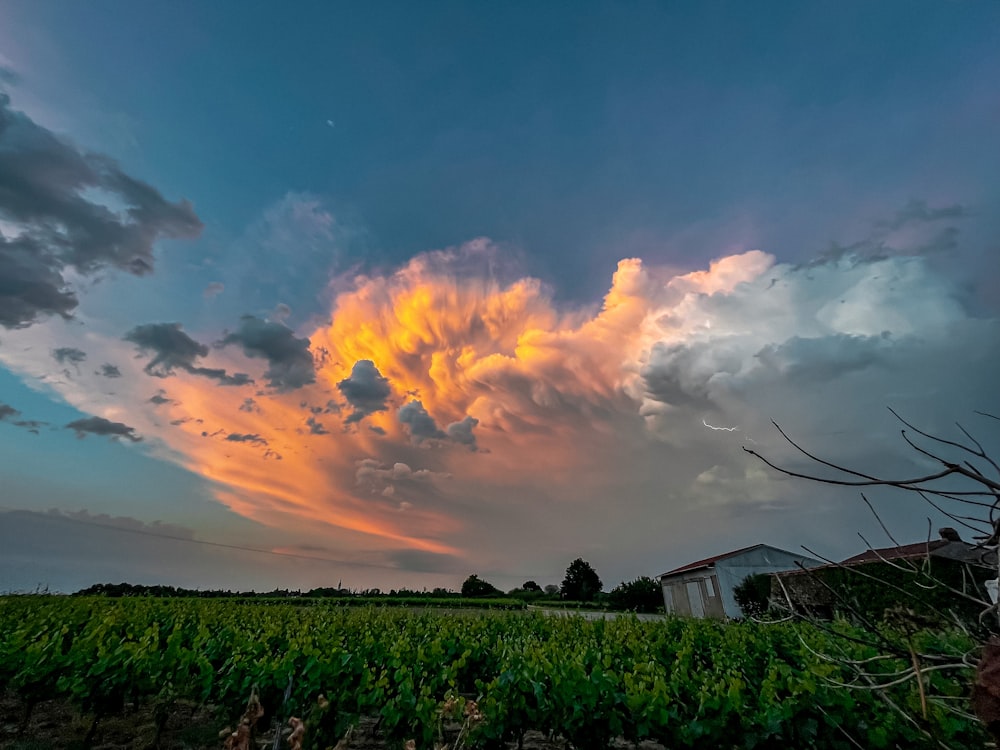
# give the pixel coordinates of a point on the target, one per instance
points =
(31, 283)
(102, 426)
(461, 432)
(109, 371)
(47, 194)
(173, 349)
(236, 437)
(249, 405)
(942, 241)
(7, 412)
(422, 425)
(171, 346)
(316, 427)
(818, 359)
(919, 211)
(237, 378)
(290, 363)
(159, 399)
(366, 390)
(68, 354)
(915, 229)
(673, 373)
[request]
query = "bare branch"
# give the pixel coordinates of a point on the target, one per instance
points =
(912, 569)
(980, 452)
(960, 499)
(961, 520)
(837, 725)
(870, 480)
(910, 674)
(902, 483)
(921, 450)
(963, 483)
(879, 519)
(942, 440)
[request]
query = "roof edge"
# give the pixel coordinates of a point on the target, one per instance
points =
(710, 561)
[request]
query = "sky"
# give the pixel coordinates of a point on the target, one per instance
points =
(385, 296)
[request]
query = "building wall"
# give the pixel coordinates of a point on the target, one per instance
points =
(763, 559)
(708, 592)
(693, 594)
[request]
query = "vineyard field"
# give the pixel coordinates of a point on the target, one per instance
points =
(477, 679)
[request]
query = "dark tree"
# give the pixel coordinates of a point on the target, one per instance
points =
(474, 586)
(581, 583)
(641, 595)
(530, 586)
(752, 594)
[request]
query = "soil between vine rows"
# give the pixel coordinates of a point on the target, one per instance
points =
(56, 725)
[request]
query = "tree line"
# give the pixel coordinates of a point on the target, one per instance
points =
(581, 585)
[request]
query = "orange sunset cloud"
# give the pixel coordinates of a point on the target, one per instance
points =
(480, 378)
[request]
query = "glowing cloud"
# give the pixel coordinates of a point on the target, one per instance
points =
(490, 411)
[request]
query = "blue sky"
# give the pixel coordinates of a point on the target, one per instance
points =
(326, 149)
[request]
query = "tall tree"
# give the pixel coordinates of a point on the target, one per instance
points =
(581, 582)
(476, 586)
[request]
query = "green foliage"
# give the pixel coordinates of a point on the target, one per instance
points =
(421, 602)
(681, 682)
(474, 586)
(530, 591)
(871, 590)
(581, 582)
(752, 594)
(526, 596)
(641, 595)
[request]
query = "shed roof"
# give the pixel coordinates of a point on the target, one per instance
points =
(902, 552)
(939, 548)
(708, 561)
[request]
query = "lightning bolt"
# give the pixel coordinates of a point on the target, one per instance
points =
(723, 429)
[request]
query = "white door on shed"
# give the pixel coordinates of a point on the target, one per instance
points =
(697, 603)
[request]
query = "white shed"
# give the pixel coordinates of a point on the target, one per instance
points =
(705, 588)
